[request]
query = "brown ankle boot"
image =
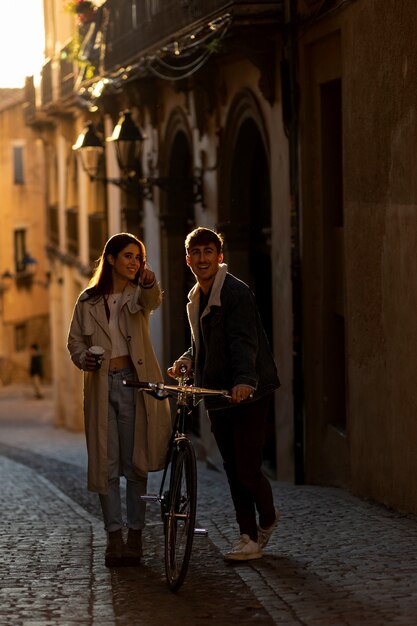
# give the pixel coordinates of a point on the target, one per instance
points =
(132, 552)
(114, 549)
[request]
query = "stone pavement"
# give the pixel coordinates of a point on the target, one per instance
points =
(334, 559)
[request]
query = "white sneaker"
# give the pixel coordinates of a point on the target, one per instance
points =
(264, 534)
(244, 550)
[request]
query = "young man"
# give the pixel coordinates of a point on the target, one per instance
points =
(230, 351)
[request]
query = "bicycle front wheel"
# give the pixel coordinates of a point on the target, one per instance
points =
(180, 516)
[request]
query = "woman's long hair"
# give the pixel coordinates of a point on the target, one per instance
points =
(101, 282)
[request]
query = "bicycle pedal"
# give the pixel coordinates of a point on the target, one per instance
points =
(203, 532)
(151, 497)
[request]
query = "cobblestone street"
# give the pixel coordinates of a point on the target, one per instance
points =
(334, 559)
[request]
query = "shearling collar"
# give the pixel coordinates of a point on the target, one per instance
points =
(193, 305)
(214, 299)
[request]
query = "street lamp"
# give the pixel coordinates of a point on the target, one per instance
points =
(128, 140)
(89, 148)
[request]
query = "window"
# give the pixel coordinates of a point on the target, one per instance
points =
(18, 172)
(20, 250)
(20, 337)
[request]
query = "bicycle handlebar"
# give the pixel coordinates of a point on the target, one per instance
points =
(162, 390)
(139, 384)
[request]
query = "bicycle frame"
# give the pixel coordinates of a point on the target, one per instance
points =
(179, 502)
(178, 434)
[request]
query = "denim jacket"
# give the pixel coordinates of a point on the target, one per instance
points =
(237, 349)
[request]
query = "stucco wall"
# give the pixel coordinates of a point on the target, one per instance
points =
(24, 299)
(378, 69)
(380, 135)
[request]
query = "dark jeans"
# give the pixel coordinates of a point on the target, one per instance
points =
(240, 435)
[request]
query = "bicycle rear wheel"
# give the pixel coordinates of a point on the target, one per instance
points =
(180, 516)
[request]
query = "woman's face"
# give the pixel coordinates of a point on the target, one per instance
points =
(126, 264)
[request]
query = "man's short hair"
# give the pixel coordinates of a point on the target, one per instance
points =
(201, 236)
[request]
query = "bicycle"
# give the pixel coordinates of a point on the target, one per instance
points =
(179, 501)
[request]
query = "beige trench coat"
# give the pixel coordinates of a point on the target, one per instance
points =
(89, 327)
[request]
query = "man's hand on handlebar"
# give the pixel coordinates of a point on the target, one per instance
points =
(240, 393)
(180, 368)
(183, 367)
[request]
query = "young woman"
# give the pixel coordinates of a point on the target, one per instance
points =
(126, 431)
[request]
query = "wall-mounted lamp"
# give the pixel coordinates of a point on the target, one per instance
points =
(29, 263)
(128, 140)
(25, 275)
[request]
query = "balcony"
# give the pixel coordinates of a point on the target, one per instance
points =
(29, 106)
(66, 73)
(60, 74)
(46, 84)
(136, 27)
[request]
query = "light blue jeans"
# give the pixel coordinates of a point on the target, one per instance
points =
(121, 432)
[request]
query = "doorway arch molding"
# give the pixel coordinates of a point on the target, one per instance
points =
(244, 108)
(177, 124)
(245, 214)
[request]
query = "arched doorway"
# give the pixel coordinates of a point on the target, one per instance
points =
(177, 219)
(245, 215)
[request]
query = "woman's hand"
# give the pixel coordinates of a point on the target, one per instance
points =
(90, 362)
(146, 276)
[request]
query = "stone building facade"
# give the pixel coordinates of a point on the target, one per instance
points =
(24, 277)
(358, 108)
(290, 127)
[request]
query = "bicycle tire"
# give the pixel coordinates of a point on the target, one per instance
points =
(180, 516)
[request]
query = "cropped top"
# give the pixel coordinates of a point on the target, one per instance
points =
(119, 345)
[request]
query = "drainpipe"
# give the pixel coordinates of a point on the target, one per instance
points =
(290, 114)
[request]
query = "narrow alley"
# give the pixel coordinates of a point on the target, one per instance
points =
(334, 560)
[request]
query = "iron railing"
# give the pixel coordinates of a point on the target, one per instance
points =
(134, 27)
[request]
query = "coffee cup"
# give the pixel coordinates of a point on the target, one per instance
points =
(97, 352)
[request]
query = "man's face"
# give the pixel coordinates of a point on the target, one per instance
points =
(204, 262)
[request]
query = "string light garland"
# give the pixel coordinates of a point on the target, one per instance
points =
(204, 42)
(175, 60)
